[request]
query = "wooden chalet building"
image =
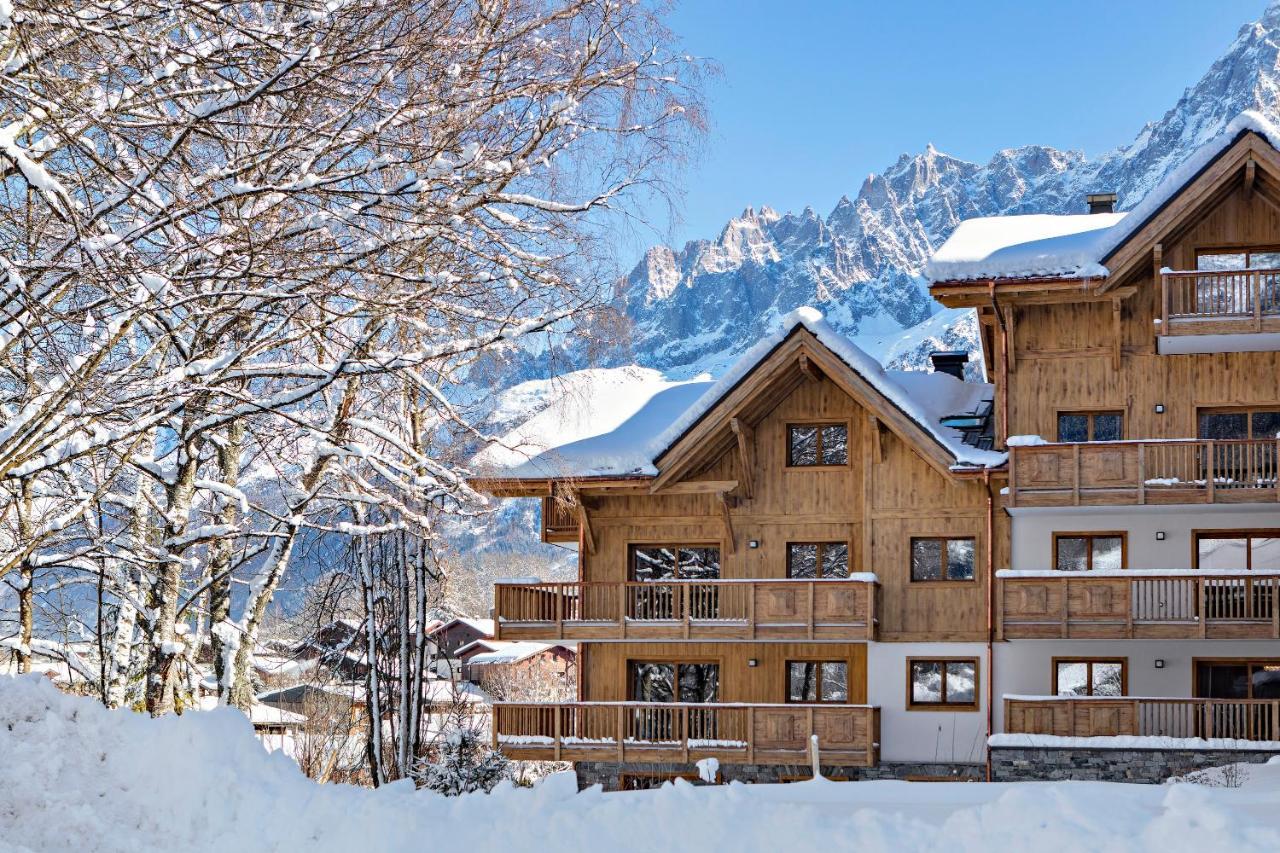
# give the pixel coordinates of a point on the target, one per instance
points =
(937, 577)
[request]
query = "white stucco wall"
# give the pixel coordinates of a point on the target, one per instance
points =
(1033, 529)
(1025, 667)
(947, 736)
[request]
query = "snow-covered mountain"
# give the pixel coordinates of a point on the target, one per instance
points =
(861, 264)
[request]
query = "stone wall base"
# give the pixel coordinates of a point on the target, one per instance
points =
(1152, 766)
(610, 774)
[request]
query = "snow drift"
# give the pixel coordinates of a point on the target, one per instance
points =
(80, 777)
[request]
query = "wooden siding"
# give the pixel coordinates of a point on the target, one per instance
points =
(887, 494)
(604, 677)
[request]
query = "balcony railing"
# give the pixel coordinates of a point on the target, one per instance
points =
(1220, 302)
(1139, 603)
(834, 609)
(1095, 716)
(1118, 473)
(848, 735)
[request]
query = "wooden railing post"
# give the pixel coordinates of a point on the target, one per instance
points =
(1202, 591)
(809, 620)
(622, 731)
(559, 712)
(1142, 474)
(1075, 474)
(1255, 281)
(750, 734)
(684, 607)
(1209, 462)
(684, 726)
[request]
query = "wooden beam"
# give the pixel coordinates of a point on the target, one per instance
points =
(746, 455)
(1011, 348)
(584, 523)
(807, 369)
(696, 487)
(1250, 176)
(1118, 330)
(728, 522)
(877, 444)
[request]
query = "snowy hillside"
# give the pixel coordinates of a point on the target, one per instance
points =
(80, 777)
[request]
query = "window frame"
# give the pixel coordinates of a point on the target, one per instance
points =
(1247, 533)
(1090, 661)
(675, 661)
(944, 705)
(818, 425)
(1247, 251)
(786, 681)
(1249, 410)
(822, 546)
(1123, 535)
(1090, 415)
(911, 548)
(1248, 662)
(677, 547)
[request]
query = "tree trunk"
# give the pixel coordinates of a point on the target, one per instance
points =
(221, 639)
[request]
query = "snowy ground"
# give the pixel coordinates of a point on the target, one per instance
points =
(74, 776)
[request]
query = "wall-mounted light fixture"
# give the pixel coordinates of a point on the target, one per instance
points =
(753, 543)
(752, 662)
(1159, 408)
(1159, 663)
(1159, 535)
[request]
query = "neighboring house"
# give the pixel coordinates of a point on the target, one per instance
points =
(453, 635)
(936, 578)
(276, 728)
(522, 666)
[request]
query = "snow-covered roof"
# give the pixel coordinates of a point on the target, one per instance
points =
(625, 428)
(484, 626)
(1072, 246)
(260, 714)
(504, 651)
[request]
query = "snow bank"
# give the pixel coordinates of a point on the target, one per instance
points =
(79, 777)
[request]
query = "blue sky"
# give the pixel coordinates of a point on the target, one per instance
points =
(815, 94)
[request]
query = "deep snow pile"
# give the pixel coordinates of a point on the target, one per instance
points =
(79, 777)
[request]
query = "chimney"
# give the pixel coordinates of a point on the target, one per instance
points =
(1101, 202)
(950, 362)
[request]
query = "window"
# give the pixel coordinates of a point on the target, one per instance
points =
(1237, 679)
(651, 781)
(1087, 677)
(1083, 552)
(943, 684)
(1263, 422)
(1217, 260)
(1090, 426)
(675, 562)
(942, 559)
(817, 681)
(1238, 550)
(817, 559)
(817, 444)
(666, 681)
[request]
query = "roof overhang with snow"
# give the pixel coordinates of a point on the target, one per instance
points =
(1077, 256)
(686, 435)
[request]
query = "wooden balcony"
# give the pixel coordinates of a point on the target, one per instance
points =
(1096, 716)
(783, 609)
(848, 735)
(1223, 302)
(1135, 473)
(1138, 604)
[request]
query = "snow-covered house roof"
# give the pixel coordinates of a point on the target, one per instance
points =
(507, 652)
(1078, 245)
(484, 626)
(624, 430)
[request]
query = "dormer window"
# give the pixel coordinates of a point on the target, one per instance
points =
(816, 445)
